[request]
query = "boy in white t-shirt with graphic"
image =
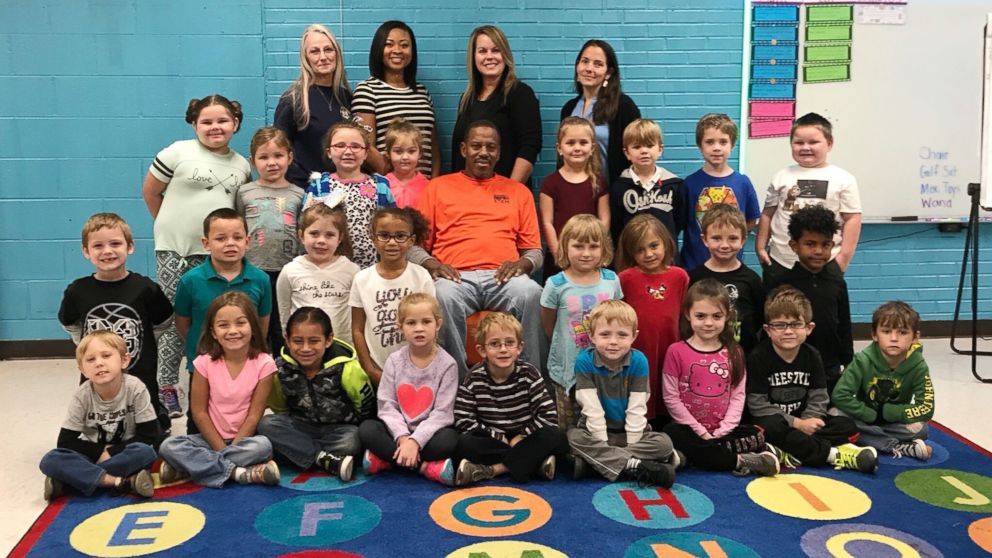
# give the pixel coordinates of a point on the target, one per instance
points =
(813, 181)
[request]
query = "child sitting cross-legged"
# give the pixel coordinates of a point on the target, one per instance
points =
(110, 429)
(887, 388)
(504, 411)
(787, 392)
(611, 387)
(326, 392)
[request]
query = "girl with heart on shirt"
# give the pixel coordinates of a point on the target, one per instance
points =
(416, 399)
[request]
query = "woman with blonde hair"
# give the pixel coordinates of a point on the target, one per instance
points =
(495, 94)
(318, 98)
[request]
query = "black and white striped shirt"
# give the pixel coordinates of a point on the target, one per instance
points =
(519, 405)
(387, 103)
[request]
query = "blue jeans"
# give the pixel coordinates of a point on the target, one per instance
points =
(300, 441)
(207, 467)
(76, 470)
(478, 290)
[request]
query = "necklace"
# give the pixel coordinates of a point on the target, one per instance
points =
(345, 113)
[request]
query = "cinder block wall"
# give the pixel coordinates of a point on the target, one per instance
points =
(90, 91)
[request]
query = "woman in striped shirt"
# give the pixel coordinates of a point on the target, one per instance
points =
(392, 92)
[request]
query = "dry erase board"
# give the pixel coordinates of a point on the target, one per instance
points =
(901, 83)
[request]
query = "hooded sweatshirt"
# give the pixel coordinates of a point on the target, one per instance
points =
(340, 393)
(869, 387)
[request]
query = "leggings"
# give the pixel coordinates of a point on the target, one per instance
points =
(170, 267)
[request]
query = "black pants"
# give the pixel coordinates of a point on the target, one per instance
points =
(274, 335)
(718, 454)
(523, 460)
(376, 438)
(811, 450)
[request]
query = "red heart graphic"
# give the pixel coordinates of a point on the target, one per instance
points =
(414, 401)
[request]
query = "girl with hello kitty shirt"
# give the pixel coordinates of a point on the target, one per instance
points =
(703, 389)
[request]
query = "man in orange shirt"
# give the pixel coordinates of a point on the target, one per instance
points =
(483, 244)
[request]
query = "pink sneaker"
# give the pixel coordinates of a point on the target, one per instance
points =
(440, 471)
(373, 464)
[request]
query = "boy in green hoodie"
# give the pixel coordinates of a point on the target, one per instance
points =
(887, 388)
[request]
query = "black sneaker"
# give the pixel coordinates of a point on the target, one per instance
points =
(653, 473)
(548, 467)
(678, 460)
(53, 489)
(340, 466)
(139, 483)
(579, 467)
(764, 464)
(917, 449)
(469, 473)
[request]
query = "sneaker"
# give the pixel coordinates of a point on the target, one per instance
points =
(373, 464)
(442, 471)
(850, 456)
(548, 467)
(653, 473)
(263, 473)
(678, 460)
(765, 464)
(785, 459)
(470, 473)
(139, 483)
(167, 474)
(579, 466)
(169, 396)
(340, 466)
(917, 449)
(53, 489)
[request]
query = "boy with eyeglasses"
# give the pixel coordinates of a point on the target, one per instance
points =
(504, 411)
(787, 392)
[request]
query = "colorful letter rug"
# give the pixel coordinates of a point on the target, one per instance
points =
(941, 508)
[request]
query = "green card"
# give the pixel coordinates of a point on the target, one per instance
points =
(828, 53)
(829, 72)
(840, 12)
(828, 33)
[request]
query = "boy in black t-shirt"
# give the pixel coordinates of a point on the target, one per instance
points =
(115, 299)
(724, 232)
(787, 392)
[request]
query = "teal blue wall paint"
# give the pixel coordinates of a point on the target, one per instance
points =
(90, 90)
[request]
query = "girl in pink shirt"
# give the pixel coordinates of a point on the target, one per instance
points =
(403, 148)
(231, 381)
(703, 387)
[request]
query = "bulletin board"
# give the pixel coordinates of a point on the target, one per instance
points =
(902, 83)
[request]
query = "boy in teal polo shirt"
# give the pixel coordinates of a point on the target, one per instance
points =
(226, 238)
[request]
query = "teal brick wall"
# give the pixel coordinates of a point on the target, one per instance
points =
(90, 90)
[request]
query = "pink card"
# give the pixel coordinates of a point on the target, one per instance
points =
(770, 128)
(771, 109)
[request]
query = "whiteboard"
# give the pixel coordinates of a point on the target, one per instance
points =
(908, 125)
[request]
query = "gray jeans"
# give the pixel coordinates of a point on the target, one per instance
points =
(610, 458)
(207, 467)
(478, 290)
(884, 437)
(300, 441)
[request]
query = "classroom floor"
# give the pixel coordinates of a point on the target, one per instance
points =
(33, 395)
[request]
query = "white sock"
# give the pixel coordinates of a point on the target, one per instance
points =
(633, 462)
(832, 456)
(239, 474)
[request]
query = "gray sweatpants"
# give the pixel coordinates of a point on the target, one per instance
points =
(610, 458)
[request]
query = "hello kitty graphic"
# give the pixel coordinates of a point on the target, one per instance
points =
(711, 380)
